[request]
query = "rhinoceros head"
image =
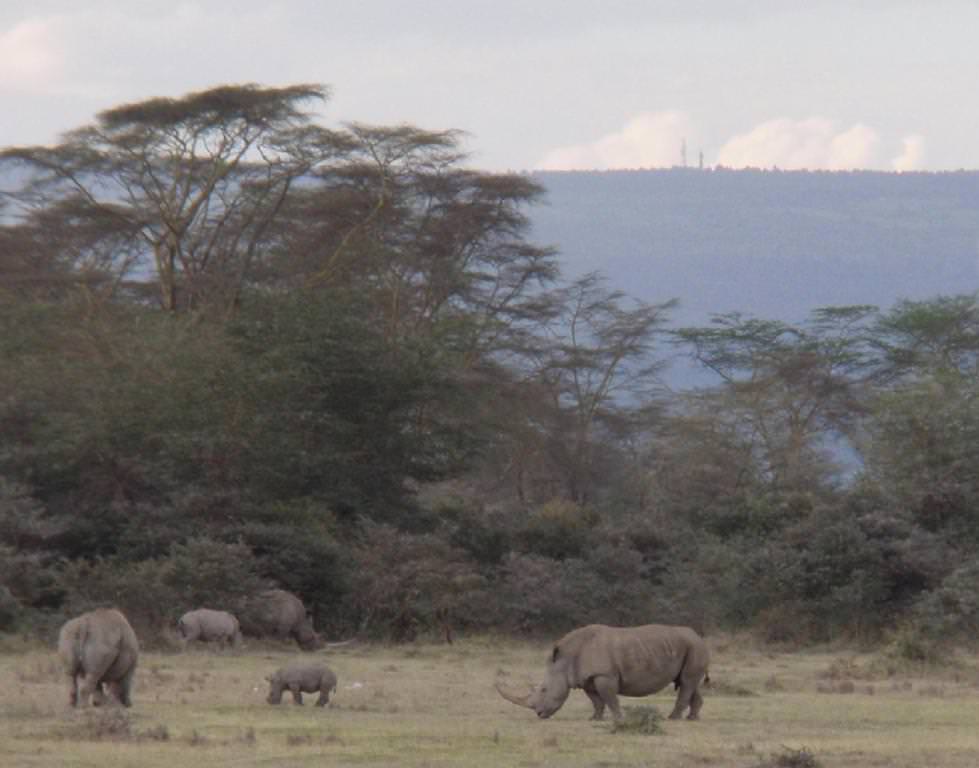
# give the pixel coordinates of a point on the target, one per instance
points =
(548, 697)
(275, 689)
(308, 638)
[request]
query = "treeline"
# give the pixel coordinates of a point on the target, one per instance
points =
(240, 349)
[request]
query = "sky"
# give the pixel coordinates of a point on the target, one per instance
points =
(538, 84)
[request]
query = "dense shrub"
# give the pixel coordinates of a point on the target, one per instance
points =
(296, 546)
(704, 587)
(208, 572)
(406, 584)
(558, 529)
(31, 578)
(541, 595)
(486, 534)
(154, 593)
(951, 610)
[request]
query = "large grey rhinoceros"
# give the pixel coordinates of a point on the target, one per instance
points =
(101, 647)
(208, 625)
(607, 662)
(280, 614)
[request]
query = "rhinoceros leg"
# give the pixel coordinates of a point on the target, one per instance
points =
(598, 704)
(683, 699)
(95, 668)
(607, 689)
(73, 689)
(297, 696)
(123, 688)
(90, 691)
(596, 701)
(696, 702)
(99, 697)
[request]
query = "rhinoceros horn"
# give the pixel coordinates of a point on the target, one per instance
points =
(523, 701)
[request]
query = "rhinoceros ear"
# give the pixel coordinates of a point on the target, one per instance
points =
(555, 653)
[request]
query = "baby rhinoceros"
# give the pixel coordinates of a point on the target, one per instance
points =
(302, 678)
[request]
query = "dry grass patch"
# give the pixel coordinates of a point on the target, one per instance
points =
(434, 705)
(727, 688)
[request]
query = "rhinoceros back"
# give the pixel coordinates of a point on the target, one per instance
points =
(645, 659)
(208, 624)
(272, 613)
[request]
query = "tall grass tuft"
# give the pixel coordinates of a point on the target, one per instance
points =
(791, 758)
(641, 720)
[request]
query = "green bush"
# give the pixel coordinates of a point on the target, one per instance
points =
(559, 529)
(915, 643)
(31, 578)
(952, 609)
(204, 571)
(487, 535)
(295, 548)
(154, 593)
(540, 595)
(405, 584)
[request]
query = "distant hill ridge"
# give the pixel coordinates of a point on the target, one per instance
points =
(773, 244)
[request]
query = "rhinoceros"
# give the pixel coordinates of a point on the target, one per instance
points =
(208, 625)
(277, 613)
(101, 647)
(607, 662)
(302, 678)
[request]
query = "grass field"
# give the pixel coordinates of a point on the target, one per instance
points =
(434, 705)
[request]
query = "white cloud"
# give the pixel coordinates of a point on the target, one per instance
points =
(30, 55)
(856, 147)
(649, 140)
(912, 157)
(816, 144)
(655, 140)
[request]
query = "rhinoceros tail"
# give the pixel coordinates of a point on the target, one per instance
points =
(71, 645)
(683, 666)
(676, 683)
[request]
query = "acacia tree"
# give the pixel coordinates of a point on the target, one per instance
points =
(697, 461)
(598, 370)
(787, 386)
(925, 426)
(918, 338)
(437, 253)
(438, 248)
(181, 190)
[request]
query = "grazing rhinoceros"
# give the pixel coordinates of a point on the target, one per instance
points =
(207, 625)
(101, 647)
(302, 678)
(607, 662)
(277, 613)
